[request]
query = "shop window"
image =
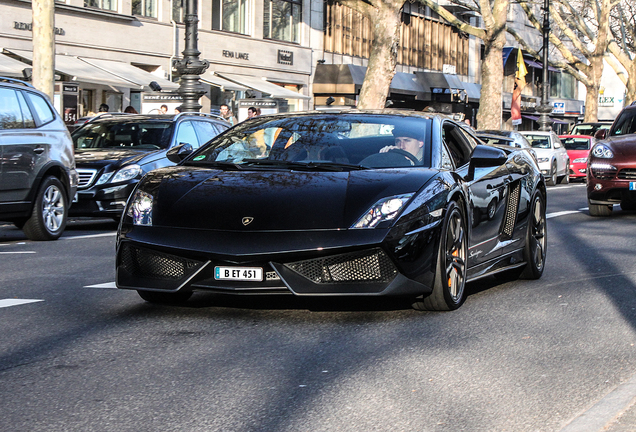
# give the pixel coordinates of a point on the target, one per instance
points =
(147, 8)
(110, 5)
(281, 20)
(231, 15)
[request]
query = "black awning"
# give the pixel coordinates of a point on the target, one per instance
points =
(347, 79)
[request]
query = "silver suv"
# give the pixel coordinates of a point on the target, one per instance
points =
(38, 179)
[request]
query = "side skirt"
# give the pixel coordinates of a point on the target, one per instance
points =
(509, 261)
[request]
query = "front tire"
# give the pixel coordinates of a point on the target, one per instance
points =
(50, 210)
(450, 276)
(552, 180)
(600, 210)
(165, 298)
(535, 250)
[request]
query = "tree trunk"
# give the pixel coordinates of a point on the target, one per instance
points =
(630, 87)
(44, 46)
(383, 56)
(490, 113)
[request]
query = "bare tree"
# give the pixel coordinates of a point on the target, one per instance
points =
(385, 23)
(493, 35)
(623, 45)
(582, 40)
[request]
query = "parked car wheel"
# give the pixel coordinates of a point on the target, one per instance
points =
(566, 178)
(167, 298)
(600, 210)
(450, 275)
(552, 180)
(48, 217)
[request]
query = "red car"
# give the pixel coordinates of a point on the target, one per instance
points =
(611, 166)
(578, 147)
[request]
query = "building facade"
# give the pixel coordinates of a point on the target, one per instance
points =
(256, 48)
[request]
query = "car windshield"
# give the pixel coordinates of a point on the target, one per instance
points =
(625, 123)
(138, 135)
(322, 141)
(588, 129)
(576, 143)
(539, 141)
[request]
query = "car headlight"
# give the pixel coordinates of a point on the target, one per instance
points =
(580, 160)
(543, 159)
(602, 151)
(140, 208)
(103, 178)
(125, 174)
(385, 209)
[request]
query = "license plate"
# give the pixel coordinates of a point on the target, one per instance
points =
(632, 185)
(238, 273)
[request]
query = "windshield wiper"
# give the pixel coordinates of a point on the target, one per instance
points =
(215, 164)
(328, 166)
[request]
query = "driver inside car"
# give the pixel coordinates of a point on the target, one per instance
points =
(409, 140)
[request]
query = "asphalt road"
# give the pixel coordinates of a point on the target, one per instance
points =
(78, 355)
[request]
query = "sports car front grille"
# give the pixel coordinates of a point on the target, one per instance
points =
(356, 267)
(147, 264)
(511, 210)
(627, 174)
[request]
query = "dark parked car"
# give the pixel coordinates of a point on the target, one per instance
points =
(37, 169)
(611, 167)
(349, 203)
(114, 152)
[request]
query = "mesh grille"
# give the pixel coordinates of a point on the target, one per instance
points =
(86, 177)
(627, 174)
(146, 264)
(366, 266)
(511, 210)
(604, 173)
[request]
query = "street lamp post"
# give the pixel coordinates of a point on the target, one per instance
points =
(190, 67)
(545, 108)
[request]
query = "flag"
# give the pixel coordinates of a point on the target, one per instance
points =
(520, 83)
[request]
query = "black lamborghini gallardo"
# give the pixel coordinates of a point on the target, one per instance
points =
(335, 204)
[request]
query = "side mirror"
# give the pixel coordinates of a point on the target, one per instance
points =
(485, 156)
(601, 134)
(179, 153)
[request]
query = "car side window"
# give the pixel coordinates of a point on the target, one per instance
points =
(458, 146)
(42, 108)
(27, 115)
(10, 113)
(205, 131)
(186, 134)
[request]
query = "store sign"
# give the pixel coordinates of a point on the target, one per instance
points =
(449, 69)
(236, 55)
(606, 101)
(29, 27)
(285, 57)
(558, 108)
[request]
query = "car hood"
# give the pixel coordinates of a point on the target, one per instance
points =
(576, 154)
(623, 146)
(272, 200)
(96, 158)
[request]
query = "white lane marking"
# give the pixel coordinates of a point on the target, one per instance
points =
(22, 252)
(102, 285)
(561, 213)
(16, 302)
(89, 236)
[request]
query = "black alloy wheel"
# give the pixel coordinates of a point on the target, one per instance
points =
(535, 250)
(450, 278)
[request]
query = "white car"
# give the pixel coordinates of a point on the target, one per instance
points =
(552, 156)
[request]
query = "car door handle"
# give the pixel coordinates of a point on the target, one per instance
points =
(38, 150)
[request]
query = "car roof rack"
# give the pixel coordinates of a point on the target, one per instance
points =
(214, 116)
(15, 81)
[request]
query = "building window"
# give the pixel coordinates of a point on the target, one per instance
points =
(147, 8)
(231, 15)
(178, 12)
(110, 5)
(282, 20)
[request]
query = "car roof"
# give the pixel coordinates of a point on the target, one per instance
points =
(494, 136)
(546, 133)
(576, 136)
